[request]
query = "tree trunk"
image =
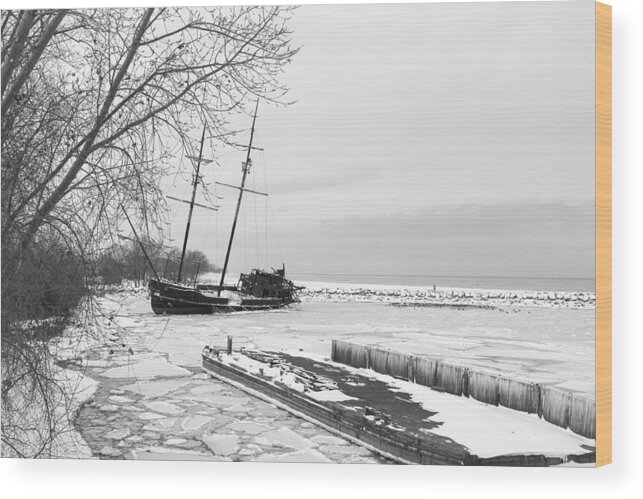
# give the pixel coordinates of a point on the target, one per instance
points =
(45, 38)
(61, 190)
(21, 31)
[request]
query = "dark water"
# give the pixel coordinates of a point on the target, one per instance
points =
(518, 283)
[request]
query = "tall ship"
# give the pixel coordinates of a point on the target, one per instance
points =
(254, 291)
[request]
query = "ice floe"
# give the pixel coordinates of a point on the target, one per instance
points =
(146, 369)
(222, 445)
(164, 406)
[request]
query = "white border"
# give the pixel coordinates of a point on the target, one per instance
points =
(181, 480)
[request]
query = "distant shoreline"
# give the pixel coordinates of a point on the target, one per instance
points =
(536, 284)
(427, 296)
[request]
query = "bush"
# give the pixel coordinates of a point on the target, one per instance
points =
(46, 281)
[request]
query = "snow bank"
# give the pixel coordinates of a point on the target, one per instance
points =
(68, 443)
(46, 430)
(43, 409)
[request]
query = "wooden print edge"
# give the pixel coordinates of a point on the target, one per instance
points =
(603, 234)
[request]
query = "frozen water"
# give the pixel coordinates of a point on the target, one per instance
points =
(147, 369)
(552, 345)
(164, 454)
(285, 437)
(195, 422)
(161, 425)
(109, 451)
(109, 408)
(119, 399)
(248, 427)
(149, 416)
(153, 389)
(118, 434)
(328, 440)
(209, 388)
(218, 399)
(164, 407)
(303, 456)
(222, 445)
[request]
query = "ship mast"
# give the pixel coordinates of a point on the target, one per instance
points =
(245, 168)
(196, 182)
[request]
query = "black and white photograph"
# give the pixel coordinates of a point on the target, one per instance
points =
(341, 234)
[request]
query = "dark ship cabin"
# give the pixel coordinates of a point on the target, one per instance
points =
(262, 284)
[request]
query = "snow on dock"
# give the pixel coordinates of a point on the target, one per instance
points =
(413, 423)
(487, 430)
(559, 407)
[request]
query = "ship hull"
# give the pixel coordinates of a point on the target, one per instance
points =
(170, 298)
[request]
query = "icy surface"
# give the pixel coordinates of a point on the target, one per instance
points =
(303, 456)
(154, 388)
(174, 412)
(118, 434)
(150, 368)
(548, 345)
(195, 422)
(285, 437)
(222, 445)
(164, 407)
(149, 416)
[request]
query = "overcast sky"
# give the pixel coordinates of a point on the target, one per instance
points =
(432, 139)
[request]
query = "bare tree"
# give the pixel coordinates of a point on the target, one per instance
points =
(116, 91)
(95, 106)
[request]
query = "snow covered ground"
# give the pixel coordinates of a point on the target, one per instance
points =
(171, 412)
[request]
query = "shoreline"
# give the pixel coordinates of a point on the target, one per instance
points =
(423, 296)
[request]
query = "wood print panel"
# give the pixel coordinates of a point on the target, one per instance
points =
(603, 234)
